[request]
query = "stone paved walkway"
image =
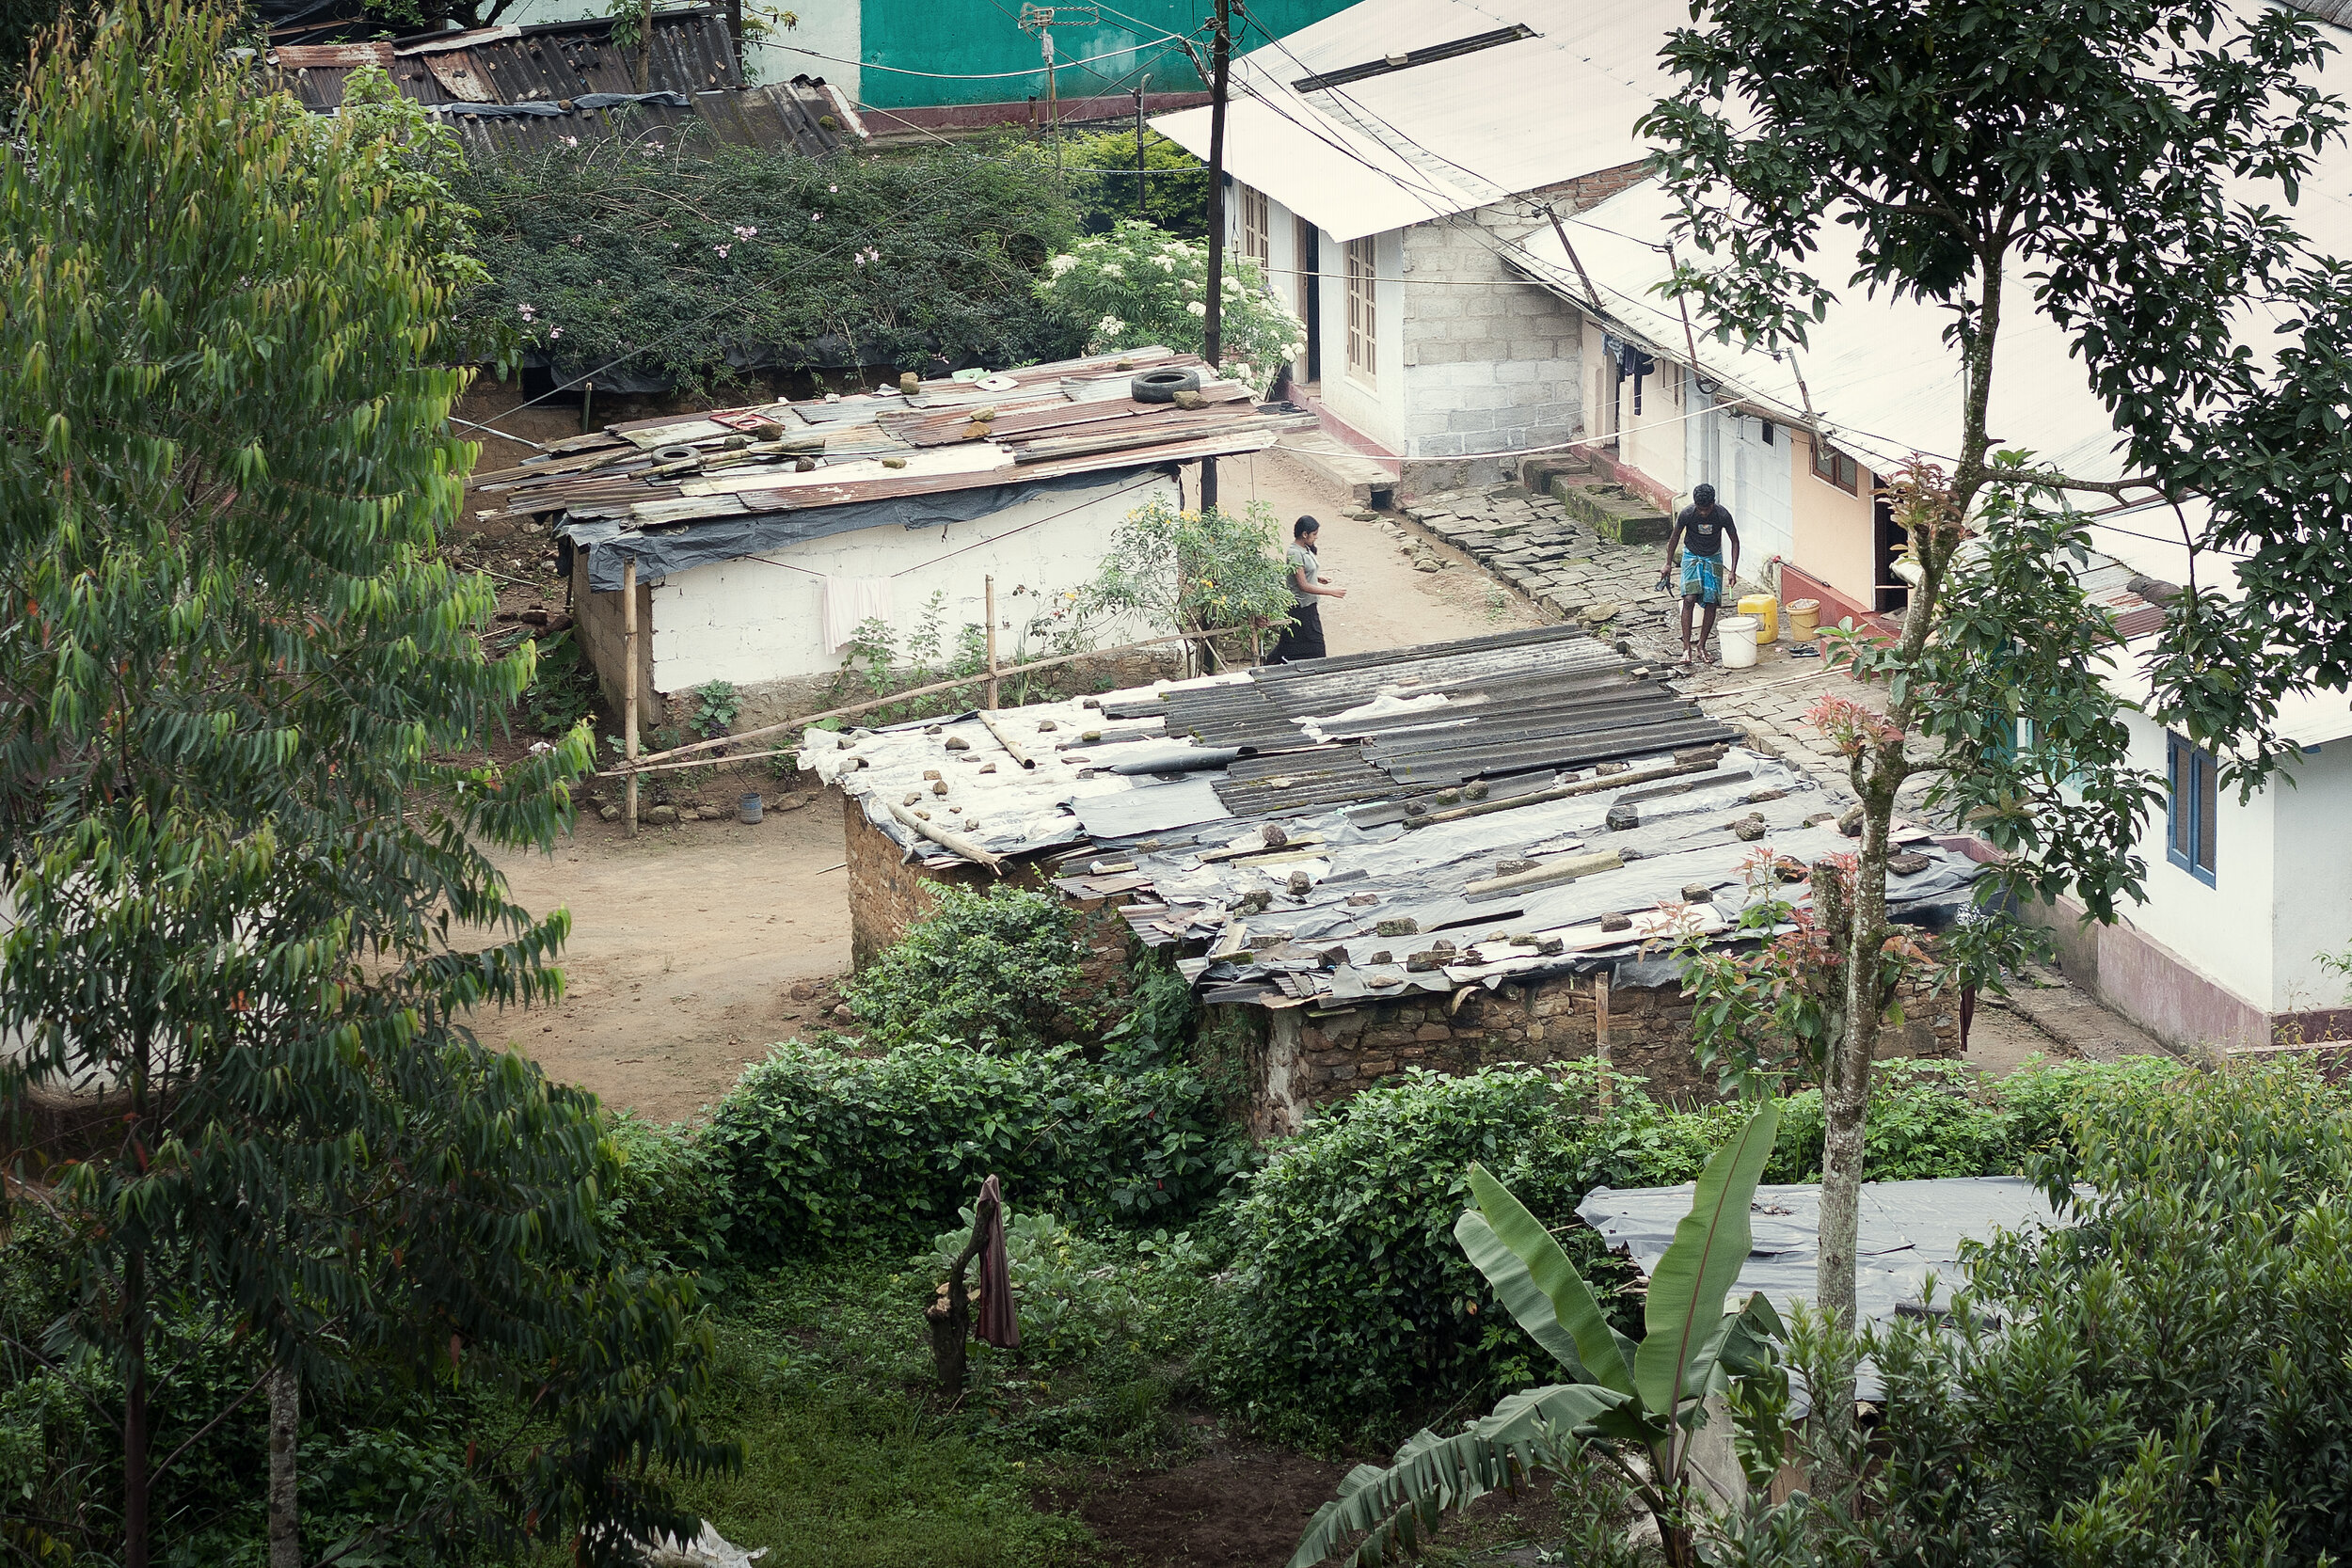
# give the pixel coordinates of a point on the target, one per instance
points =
(1567, 568)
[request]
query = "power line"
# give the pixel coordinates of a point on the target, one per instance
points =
(970, 77)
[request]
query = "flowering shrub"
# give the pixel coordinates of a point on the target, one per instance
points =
(1139, 286)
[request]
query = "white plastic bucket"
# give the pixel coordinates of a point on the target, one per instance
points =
(1737, 633)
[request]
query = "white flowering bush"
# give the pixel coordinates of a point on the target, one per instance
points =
(1139, 286)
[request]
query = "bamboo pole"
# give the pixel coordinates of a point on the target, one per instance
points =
(1004, 739)
(628, 687)
(647, 763)
(988, 586)
(941, 836)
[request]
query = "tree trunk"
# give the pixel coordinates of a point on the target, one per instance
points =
(285, 1435)
(1846, 1075)
(135, 1483)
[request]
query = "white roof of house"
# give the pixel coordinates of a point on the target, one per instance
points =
(1434, 138)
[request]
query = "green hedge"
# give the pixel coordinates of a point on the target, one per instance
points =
(814, 1148)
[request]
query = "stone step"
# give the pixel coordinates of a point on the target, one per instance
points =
(1611, 512)
(1364, 481)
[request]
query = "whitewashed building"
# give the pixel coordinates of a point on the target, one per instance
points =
(760, 539)
(2247, 899)
(1388, 165)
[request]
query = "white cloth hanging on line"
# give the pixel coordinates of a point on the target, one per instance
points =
(850, 602)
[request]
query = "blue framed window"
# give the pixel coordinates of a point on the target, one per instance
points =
(2189, 816)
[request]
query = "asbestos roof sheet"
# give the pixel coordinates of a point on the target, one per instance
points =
(1910, 1232)
(1431, 138)
(1285, 829)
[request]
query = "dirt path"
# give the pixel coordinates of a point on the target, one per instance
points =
(686, 945)
(1389, 603)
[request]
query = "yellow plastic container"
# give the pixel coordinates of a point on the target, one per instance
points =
(1767, 612)
(1804, 619)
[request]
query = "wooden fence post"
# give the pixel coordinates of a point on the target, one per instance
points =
(989, 588)
(1601, 1032)
(629, 685)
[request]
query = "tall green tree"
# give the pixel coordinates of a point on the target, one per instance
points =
(245, 799)
(2127, 159)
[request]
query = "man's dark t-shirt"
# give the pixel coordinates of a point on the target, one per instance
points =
(1703, 532)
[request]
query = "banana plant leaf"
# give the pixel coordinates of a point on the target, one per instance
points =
(1685, 1315)
(1433, 1475)
(1540, 1287)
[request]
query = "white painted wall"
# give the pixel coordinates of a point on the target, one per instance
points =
(1653, 439)
(2228, 930)
(837, 30)
(749, 622)
(1377, 410)
(2312, 851)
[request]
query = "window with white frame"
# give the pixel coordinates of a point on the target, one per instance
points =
(1257, 238)
(1363, 322)
(2190, 811)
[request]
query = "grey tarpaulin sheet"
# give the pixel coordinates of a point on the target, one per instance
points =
(1908, 1231)
(669, 548)
(1154, 808)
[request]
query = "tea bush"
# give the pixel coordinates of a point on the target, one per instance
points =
(2174, 1384)
(816, 1149)
(992, 969)
(1930, 1119)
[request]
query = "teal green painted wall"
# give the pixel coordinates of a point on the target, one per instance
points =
(977, 39)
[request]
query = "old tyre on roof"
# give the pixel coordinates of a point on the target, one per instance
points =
(1163, 385)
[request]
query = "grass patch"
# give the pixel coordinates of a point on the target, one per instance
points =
(852, 1458)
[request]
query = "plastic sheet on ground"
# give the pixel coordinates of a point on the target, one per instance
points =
(1910, 1231)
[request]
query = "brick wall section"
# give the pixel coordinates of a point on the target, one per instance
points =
(1306, 1061)
(1491, 361)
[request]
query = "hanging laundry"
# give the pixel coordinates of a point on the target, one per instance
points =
(850, 602)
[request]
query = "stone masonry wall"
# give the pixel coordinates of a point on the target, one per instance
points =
(888, 893)
(1306, 1062)
(1491, 360)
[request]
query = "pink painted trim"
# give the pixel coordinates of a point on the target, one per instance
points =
(1347, 434)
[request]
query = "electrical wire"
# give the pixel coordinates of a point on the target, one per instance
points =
(970, 77)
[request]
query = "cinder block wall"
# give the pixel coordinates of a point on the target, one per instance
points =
(1491, 360)
(1304, 1062)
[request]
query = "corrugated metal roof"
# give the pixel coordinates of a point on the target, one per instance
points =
(1454, 133)
(556, 64)
(1060, 420)
(1320, 863)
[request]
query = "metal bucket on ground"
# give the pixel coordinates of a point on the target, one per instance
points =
(1804, 619)
(1737, 634)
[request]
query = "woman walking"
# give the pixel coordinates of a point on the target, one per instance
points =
(1303, 638)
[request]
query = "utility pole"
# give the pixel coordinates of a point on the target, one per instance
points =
(1141, 87)
(1213, 317)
